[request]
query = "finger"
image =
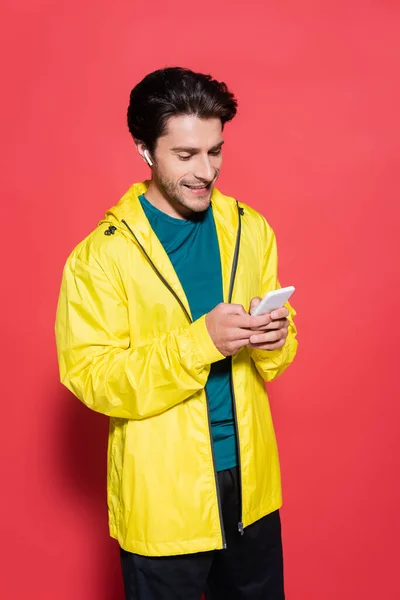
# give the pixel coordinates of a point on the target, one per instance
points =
(254, 303)
(237, 344)
(281, 324)
(248, 322)
(270, 337)
(236, 334)
(235, 309)
(260, 321)
(280, 313)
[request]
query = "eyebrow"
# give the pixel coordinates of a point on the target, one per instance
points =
(194, 150)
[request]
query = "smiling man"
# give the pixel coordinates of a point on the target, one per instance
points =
(154, 329)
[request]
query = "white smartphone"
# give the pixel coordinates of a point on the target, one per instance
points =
(273, 300)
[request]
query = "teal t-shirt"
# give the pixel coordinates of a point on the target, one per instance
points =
(192, 247)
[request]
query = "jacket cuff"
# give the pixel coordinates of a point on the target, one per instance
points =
(203, 345)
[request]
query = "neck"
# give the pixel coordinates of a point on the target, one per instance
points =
(172, 209)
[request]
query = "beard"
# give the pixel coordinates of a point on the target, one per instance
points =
(175, 192)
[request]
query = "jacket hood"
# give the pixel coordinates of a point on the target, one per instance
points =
(129, 205)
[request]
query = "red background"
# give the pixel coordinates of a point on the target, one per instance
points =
(315, 148)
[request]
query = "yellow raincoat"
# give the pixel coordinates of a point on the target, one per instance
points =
(127, 348)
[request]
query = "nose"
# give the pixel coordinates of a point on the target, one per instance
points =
(204, 170)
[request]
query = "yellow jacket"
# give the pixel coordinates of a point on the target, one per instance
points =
(127, 348)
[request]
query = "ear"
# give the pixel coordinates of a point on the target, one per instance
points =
(143, 152)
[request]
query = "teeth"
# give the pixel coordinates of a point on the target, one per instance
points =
(194, 187)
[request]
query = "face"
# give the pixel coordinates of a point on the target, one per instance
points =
(187, 161)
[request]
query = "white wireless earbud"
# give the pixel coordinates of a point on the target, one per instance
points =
(147, 157)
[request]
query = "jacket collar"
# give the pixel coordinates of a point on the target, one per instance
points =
(130, 211)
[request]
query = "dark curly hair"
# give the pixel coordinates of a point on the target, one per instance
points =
(175, 91)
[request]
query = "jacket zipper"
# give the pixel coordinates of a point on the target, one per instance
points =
(208, 406)
(234, 269)
(165, 282)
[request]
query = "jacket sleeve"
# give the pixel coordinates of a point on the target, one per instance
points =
(271, 363)
(104, 368)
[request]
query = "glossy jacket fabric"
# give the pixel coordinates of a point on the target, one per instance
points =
(127, 348)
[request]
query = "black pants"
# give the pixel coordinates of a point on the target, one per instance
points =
(250, 568)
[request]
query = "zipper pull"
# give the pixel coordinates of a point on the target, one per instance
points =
(240, 528)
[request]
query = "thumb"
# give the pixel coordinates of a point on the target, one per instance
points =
(254, 303)
(235, 309)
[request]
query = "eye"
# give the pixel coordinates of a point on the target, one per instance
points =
(187, 157)
(216, 152)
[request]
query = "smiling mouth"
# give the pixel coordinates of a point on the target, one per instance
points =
(197, 187)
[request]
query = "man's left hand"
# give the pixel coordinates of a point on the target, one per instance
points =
(273, 335)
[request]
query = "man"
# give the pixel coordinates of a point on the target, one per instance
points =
(153, 330)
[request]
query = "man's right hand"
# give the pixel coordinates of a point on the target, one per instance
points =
(230, 327)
